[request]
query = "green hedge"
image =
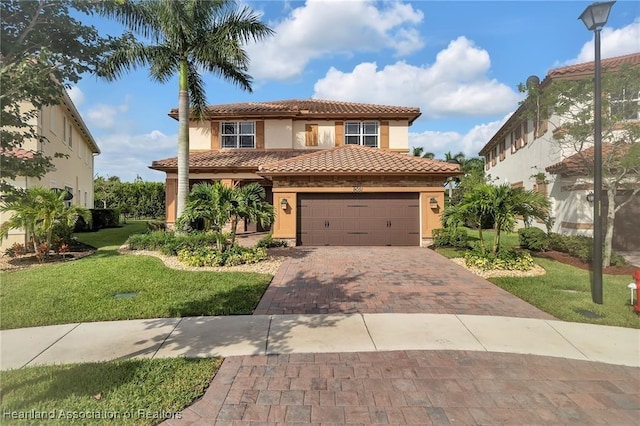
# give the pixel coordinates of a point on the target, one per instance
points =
(534, 239)
(451, 237)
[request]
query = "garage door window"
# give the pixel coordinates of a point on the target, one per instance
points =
(241, 134)
(361, 133)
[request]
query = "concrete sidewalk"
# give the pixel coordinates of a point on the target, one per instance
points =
(287, 334)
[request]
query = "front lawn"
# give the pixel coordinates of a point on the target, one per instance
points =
(140, 392)
(92, 288)
(564, 291)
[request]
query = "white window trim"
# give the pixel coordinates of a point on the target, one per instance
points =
(361, 134)
(237, 134)
(624, 99)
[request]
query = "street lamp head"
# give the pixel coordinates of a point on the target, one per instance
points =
(595, 16)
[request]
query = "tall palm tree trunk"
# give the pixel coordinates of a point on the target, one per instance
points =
(183, 140)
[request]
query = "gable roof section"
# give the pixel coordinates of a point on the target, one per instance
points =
(576, 71)
(308, 109)
(358, 160)
(245, 159)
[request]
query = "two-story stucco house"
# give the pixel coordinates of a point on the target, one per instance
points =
(524, 153)
(68, 134)
(337, 173)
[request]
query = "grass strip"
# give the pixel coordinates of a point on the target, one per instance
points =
(128, 392)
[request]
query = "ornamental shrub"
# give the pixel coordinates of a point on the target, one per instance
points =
(534, 239)
(451, 237)
(208, 256)
(507, 260)
(268, 242)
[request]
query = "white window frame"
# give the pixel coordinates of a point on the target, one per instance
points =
(70, 139)
(53, 123)
(361, 133)
(623, 99)
(237, 134)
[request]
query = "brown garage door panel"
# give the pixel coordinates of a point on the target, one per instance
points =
(369, 219)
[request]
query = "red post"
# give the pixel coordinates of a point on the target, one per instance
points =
(636, 276)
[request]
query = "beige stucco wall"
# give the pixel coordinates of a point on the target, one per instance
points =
(199, 135)
(75, 171)
(278, 134)
(399, 135)
(326, 134)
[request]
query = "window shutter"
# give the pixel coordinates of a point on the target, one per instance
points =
(215, 135)
(259, 134)
(384, 135)
(311, 135)
(339, 133)
(525, 131)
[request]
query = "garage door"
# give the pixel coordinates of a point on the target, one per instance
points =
(360, 219)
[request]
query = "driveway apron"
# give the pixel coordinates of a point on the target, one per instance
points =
(323, 280)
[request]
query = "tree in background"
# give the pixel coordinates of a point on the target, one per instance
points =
(186, 38)
(572, 102)
(418, 151)
(133, 199)
(43, 50)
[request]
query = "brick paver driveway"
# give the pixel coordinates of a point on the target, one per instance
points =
(406, 387)
(417, 387)
(384, 279)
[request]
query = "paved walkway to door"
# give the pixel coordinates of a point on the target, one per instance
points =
(322, 280)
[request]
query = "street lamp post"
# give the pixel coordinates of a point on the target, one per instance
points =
(595, 16)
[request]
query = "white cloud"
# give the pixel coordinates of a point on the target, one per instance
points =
(614, 42)
(323, 28)
(105, 116)
(454, 142)
(76, 95)
(455, 85)
(128, 156)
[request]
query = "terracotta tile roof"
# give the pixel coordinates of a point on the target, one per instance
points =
(20, 153)
(248, 159)
(587, 68)
(356, 159)
(310, 108)
(576, 71)
(578, 162)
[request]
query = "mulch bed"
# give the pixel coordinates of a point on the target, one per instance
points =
(574, 261)
(76, 251)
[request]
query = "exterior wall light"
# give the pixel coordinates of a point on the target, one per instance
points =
(590, 197)
(284, 204)
(433, 203)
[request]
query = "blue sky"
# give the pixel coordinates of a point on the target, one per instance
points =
(460, 62)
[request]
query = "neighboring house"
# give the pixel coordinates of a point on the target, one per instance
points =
(524, 153)
(337, 173)
(67, 133)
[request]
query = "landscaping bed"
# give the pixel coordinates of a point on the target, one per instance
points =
(567, 259)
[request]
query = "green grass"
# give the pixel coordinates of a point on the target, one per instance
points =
(84, 290)
(112, 238)
(564, 289)
(131, 391)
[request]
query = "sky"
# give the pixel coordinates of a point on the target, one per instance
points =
(459, 62)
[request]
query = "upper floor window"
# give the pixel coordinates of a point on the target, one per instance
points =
(238, 134)
(70, 138)
(626, 105)
(361, 133)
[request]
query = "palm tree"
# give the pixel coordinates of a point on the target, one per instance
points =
(249, 203)
(186, 37)
(457, 158)
(37, 211)
(508, 204)
(474, 209)
(417, 151)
